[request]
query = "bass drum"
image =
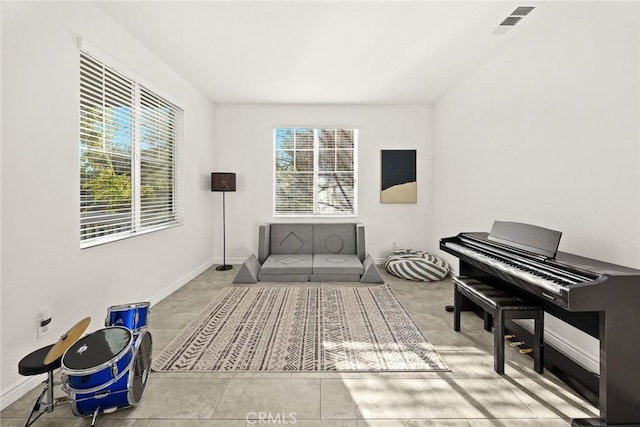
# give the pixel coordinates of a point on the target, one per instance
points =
(125, 390)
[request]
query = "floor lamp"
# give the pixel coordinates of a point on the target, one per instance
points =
(223, 181)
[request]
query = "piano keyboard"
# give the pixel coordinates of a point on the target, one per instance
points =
(544, 279)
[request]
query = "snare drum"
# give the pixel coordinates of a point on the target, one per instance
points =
(132, 316)
(128, 386)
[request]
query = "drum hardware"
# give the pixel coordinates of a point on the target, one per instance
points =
(101, 395)
(47, 360)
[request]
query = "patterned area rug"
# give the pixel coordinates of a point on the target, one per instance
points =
(301, 329)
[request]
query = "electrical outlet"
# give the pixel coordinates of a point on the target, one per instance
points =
(43, 323)
(395, 244)
(242, 243)
(43, 330)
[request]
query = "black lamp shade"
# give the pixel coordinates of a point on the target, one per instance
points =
(223, 181)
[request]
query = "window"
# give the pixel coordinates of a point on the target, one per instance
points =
(315, 172)
(129, 140)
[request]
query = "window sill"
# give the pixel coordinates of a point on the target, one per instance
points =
(99, 241)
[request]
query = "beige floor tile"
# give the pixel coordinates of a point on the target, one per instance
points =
(306, 423)
(206, 293)
(373, 398)
(170, 321)
(474, 398)
(172, 375)
(445, 340)
(417, 398)
(521, 423)
(248, 375)
(189, 423)
(414, 423)
(548, 399)
(171, 306)
(161, 338)
(249, 397)
(177, 398)
(328, 375)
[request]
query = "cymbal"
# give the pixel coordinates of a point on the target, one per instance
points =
(67, 340)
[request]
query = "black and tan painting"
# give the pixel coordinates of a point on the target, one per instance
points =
(399, 184)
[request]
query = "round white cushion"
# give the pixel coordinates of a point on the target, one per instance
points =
(416, 265)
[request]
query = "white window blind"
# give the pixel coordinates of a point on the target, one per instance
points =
(129, 151)
(315, 172)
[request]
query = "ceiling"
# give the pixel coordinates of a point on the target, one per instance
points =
(322, 52)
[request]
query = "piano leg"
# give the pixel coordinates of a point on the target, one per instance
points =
(619, 370)
(538, 343)
(488, 321)
(498, 343)
(457, 303)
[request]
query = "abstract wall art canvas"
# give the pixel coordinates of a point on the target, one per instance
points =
(399, 183)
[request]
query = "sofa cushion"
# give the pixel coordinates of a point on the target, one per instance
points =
(371, 274)
(334, 239)
(291, 239)
(284, 277)
(288, 264)
(337, 264)
(334, 277)
(249, 271)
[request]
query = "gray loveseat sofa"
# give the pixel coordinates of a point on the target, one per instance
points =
(291, 252)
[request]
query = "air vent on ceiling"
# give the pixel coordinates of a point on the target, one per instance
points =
(522, 11)
(514, 18)
(510, 21)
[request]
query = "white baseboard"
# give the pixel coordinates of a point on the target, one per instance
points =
(19, 389)
(180, 282)
(25, 385)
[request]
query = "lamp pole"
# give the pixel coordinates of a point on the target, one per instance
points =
(224, 265)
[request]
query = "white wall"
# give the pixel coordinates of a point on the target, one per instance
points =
(42, 264)
(547, 133)
(245, 133)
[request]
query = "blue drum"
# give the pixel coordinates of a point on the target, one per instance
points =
(133, 316)
(125, 389)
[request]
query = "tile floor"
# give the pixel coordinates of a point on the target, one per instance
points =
(471, 394)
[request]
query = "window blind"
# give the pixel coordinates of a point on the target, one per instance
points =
(129, 140)
(315, 172)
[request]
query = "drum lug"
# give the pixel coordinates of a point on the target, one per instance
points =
(114, 370)
(135, 319)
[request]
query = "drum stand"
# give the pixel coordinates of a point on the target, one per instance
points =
(46, 360)
(32, 365)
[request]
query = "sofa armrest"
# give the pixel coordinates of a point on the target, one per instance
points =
(360, 248)
(264, 242)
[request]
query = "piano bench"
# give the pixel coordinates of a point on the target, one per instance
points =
(500, 305)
